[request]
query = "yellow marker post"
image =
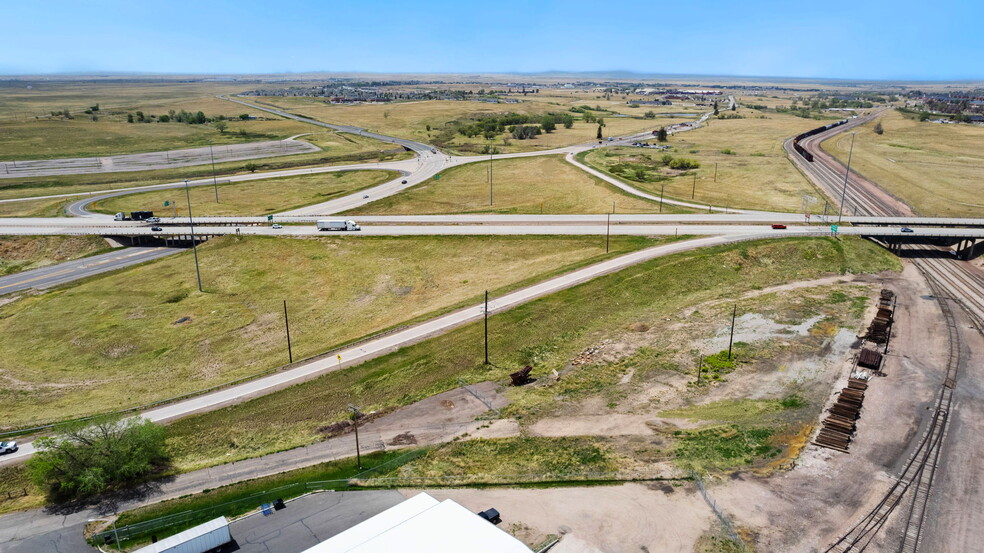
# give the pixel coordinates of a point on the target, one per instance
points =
(339, 360)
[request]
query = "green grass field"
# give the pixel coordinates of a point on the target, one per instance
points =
(937, 169)
(252, 197)
(751, 165)
(89, 348)
(338, 149)
(545, 184)
(546, 333)
(21, 253)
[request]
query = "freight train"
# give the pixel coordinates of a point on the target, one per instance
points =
(801, 150)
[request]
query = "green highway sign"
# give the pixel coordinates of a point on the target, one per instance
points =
(437, 177)
(269, 217)
(166, 203)
(833, 228)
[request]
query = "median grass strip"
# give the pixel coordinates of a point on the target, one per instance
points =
(545, 184)
(935, 168)
(546, 333)
(22, 253)
(87, 348)
(249, 198)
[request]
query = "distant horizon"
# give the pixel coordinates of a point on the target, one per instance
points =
(876, 40)
(608, 75)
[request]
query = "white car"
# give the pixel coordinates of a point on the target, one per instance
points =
(277, 226)
(8, 447)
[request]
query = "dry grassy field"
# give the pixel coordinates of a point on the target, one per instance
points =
(937, 169)
(751, 165)
(88, 348)
(249, 198)
(412, 119)
(545, 184)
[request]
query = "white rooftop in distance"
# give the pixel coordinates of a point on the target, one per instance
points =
(421, 524)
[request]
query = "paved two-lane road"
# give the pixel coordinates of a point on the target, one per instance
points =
(54, 275)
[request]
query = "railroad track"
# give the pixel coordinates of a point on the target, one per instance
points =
(952, 282)
(917, 475)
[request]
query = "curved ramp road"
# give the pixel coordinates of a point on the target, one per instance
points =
(53, 275)
(371, 349)
(154, 160)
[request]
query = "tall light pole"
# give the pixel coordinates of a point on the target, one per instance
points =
(194, 243)
(215, 184)
(846, 174)
(661, 187)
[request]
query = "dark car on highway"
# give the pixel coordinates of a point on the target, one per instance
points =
(906, 229)
(155, 229)
(778, 227)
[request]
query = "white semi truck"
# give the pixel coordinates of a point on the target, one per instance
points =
(338, 225)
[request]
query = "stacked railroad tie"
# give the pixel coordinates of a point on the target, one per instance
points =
(839, 426)
(881, 326)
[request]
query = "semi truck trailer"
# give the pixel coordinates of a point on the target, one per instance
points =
(338, 225)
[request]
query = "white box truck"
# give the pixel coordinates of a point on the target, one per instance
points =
(338, 225)
(204, 537)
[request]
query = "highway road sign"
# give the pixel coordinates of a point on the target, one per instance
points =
(166, 203)
(269, 217)
(833, 228)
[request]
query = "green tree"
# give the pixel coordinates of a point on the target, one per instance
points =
(715, 107)
(140, 116)
(220, 125)
(548, 124)
(91, 458)
(129, 118)
(165, 118)
(251, 167)
(878, 128)
(661, 134)
(601, 121)
(599, 132)
(650, 114)
(243, 116)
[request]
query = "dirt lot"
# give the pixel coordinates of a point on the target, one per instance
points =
(614, 519)
(782, 511)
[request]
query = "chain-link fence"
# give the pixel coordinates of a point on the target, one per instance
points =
(729, 528)
(177, 522)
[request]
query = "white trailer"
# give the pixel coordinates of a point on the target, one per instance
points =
(200, 539)
(338, 225)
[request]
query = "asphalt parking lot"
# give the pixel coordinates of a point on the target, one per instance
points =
(309, 520)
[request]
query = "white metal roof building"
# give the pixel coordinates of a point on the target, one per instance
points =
(422, 524)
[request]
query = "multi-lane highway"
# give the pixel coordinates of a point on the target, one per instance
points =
(154, 160)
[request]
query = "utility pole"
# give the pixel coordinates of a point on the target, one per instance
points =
(693, 193)
(486, 312)
(608, 232)
(355, 419)
(194, 243)
(846, 174)
(290, 352)
(214, 182)
(490, 172)
(731, 340)
(661, 187)
(700, 364)
(715, 172)
(613, 207)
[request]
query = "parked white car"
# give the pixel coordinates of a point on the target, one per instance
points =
(8, 447)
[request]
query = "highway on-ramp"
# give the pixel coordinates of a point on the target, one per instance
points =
(54, 275)
(364, 351)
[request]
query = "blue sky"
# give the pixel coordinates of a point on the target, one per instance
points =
(860, 39)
